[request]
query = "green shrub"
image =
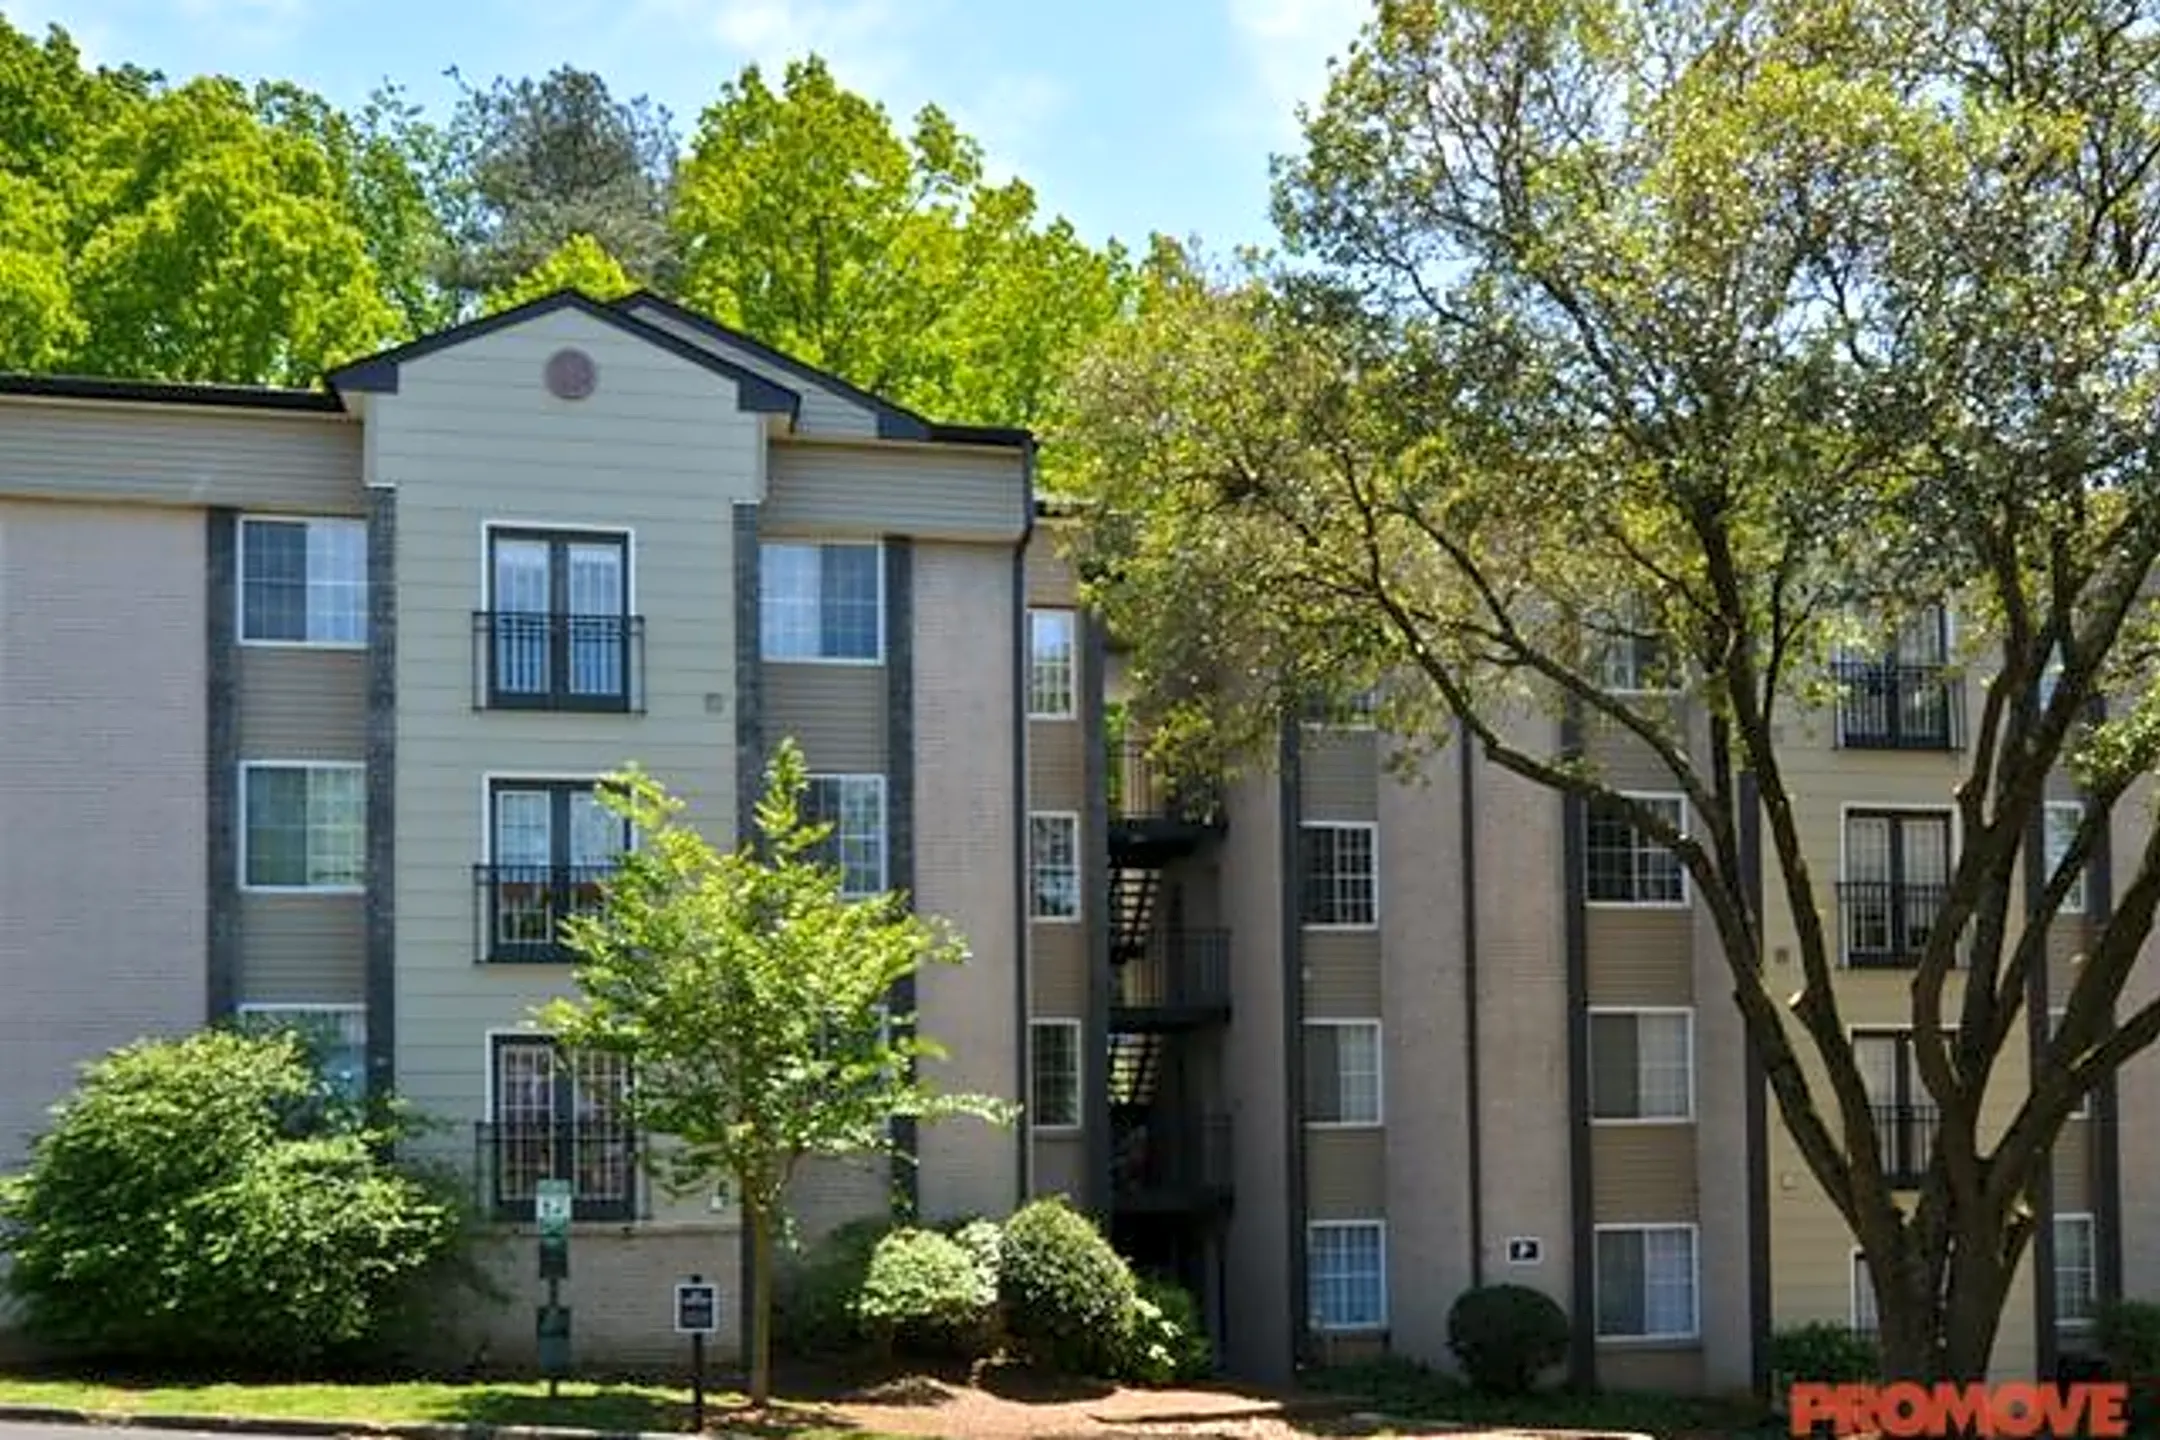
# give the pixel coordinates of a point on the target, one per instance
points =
(202, 1203)
(925, 1295)
(981, 1239)
(1168, 1343)
(815, 1291)
(1068, 1296)
(1506, 1336)
(1823, 1353)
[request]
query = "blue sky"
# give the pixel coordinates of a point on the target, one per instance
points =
(1126, 115)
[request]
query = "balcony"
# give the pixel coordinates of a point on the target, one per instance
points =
(1905, 1138)
(598, 1158)
(1899, 707)
(1887, 924)
(527, 660)
(1170, 979)
(521, 909)
(1170, 1164)
(1156, 814)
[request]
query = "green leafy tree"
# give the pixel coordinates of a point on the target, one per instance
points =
(1725, 336)
(531, 163)
(210, 1201)
(751, 999)
(805, 218)
(579, 263)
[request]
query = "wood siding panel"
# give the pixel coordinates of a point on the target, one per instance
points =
(928, 491)
(824, 411)
(1058, 971)
(1342, 974)
(1057, 759)
(303, 949)
(1643, 1173)
(1640, 957)
(180, 455)
(1345, 1174)
(1061, 1167)
(835, 712)
(302, 704)
(1339, 774)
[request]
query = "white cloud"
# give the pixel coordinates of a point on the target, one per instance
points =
(1286, 45)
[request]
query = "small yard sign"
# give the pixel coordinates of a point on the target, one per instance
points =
(697, 1307)
(552, 1206)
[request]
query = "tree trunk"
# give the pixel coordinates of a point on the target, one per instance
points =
(761, 1256)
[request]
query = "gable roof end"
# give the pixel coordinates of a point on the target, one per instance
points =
(378, 374)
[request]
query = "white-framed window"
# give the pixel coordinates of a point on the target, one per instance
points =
(821, 602)
(1646, 1282)
(2064, 819)
(304, 825)
(1342, 1072)
(2084, 1104)
(1632, 659)
(1642, 1065)
(2077, 1282)
(1054, 1074)
(1053, 865)
(1866, 1319)
(1346, 1274)
(1340, 879)
(1053, 664)
(1624, 866)
(557, 1114)
(336, 1036)
(1357, 710)
(854, 806)
(303, 581)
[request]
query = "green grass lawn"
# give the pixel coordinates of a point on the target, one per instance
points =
(1404, 1391)
(586, 1406)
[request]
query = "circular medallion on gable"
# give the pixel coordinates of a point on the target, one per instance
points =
(571, 375)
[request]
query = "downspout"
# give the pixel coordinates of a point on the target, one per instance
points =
(1466, 770)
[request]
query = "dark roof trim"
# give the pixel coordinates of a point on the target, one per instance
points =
(379, 373)
(166, 392)
(1002, 436)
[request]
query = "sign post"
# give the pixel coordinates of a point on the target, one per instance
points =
(552, 1209)
(697, 1314)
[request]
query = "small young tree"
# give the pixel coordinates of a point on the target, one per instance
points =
(751, 999)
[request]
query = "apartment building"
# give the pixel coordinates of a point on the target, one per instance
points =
(303, 694)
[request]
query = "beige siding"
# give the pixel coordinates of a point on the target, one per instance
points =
(1624, 760)
(1640, 957)
(837, 714)
(1050, 577)
(1058, 970)
(180, 455)
(1643, 1172)
(1345, 1174)
(1061, 1167)
(1727, 1246)
(967, 840)
(1342, 973)
(1338, 774)
(1423, 1058)
(472, 437)
(1659, 1369)
(947, 492)
(301, 949)
(2073, 1160)
(1057, 756)
(101, 779)
(299, 703)
(824, 411)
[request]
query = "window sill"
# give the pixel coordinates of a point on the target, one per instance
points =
(1671, 907)
(350, 647)
(1056, 1132)
(1650, 1342)
(1053, 919)
(1369, 928)
(303, 890)
(844, 661)
(1066, 718)
(1346, 1125)
(1641, 1122)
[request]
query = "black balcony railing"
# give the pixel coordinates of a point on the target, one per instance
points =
(598, 1158)
(1144, 791)
(521, 907)
(1172, 1163)
(1899, 707)
(528, 660)
(1905, 1138)
(1886, 925)
(1182, 970)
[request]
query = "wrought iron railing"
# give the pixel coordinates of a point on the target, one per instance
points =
(521, 908)
(1174, 1160)
(1905, 1138)
(1143, 790)
(1174, 969)
(1899, 707)
(598, 1158)
(1887, 925)
(530, 660)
